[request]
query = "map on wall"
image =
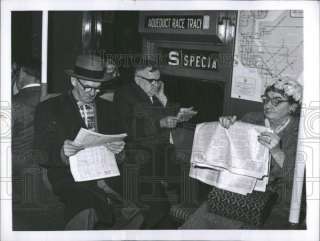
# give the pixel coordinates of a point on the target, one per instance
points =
(269, 45)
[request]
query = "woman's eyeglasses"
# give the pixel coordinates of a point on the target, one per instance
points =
(88, 88)
(274, 101)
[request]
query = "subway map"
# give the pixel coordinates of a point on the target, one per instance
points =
(269, 44)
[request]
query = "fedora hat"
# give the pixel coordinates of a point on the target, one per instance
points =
(90, 67)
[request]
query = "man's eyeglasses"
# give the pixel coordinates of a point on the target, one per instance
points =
(274, 101)
(88, 88)
(149, 80)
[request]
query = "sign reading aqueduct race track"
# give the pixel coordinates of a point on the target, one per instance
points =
(177, 22)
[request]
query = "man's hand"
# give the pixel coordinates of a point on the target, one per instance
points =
(185, 114)
(155, 88)
(169, 122)
(227, 121)
(160, 88)
(115, 147)
(71, 148)
(68, 149)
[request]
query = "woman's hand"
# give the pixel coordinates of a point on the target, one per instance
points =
(169, 122)
(115, 147)
(227, 121)
(272, 142)
(269, 140)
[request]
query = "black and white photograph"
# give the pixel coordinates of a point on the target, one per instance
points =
(126, 120)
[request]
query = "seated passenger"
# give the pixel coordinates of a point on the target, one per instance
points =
(58, 121)
(24, 104)
(282, 103)
(26, 80)
(148, 117)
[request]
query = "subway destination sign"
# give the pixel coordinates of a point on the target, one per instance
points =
(177, 22)
(195, 59)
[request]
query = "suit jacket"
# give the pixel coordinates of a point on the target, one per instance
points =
(140, 117)
(58, 119)
(148, 148)
(23, 111)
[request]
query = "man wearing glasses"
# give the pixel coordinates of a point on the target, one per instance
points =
(149, 118)
(58, 121)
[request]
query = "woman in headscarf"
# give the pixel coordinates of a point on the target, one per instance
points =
(281, 112)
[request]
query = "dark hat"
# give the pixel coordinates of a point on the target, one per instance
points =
(90, 67)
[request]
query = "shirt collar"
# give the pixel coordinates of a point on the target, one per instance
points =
(80, 103)
(31, 85)
(279, 128)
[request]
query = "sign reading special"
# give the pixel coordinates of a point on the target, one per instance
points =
(195, 59)
(178, 22)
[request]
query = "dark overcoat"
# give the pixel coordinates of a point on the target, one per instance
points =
(58, 119)
(148, 148)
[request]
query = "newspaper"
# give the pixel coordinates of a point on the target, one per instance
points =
(231, 159)
(224, 179)
(88, 138)
(95, 161)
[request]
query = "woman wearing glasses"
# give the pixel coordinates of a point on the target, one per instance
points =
(281, 109)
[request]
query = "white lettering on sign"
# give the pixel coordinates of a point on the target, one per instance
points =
(159, 22)
(197, 61)
(178, 23)
(194, 23)
(173, 58)
(191, 60)
(203, 61)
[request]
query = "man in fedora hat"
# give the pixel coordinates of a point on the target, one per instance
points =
(58, 121)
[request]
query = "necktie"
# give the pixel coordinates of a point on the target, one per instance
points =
(88, 115)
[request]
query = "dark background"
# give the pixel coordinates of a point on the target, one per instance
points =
(120, 35)
(26, 38)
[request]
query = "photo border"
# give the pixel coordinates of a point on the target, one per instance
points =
(309, 123)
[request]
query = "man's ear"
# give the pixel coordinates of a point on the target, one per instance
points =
(20, 78)
(73, 81)
(22, 73)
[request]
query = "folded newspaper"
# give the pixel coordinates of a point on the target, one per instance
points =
(230, 159)
(95, 161)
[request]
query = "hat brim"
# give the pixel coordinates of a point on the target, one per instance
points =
(107, 77)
